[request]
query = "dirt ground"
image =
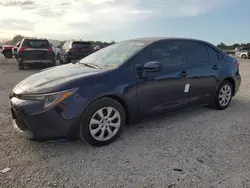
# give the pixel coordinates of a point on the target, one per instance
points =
(196, 148)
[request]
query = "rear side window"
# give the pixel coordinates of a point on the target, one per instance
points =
(212, 53)
(196, 52)
(36, 44)
(167, 52)
(81, 45)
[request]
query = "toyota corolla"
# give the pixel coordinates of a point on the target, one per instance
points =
(92, 99)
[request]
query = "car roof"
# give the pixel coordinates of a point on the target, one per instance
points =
(150, 40)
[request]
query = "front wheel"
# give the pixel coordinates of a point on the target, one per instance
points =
(102, 122)
(223, 96)
(243, 56)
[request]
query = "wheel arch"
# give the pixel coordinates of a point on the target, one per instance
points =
(119, 100)
(231, 81)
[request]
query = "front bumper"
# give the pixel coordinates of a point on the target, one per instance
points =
(32, 122)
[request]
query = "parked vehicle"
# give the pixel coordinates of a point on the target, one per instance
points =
(128, 81)
(6, 50)
(96, 48)
(56, 51)
(75, 50)
(243, 53)
(35, 51)
(15, 48)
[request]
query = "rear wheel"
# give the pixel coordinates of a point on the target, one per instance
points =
(53, 63)
(102, 122)
(20, 65)
(7, 54)
(223, 96)
(58, 57)
(243, 56)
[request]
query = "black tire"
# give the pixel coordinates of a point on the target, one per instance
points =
(58, 57)
(20, 65)
(243, 56)
(216, 102)
(8, 54)
(53, 63)
(90, 112)
(67, 60)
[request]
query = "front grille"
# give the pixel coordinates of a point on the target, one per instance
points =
(20, 122)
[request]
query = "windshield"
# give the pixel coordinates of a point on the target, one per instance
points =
(114, 55)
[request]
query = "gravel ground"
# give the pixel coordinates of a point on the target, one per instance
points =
(196, 148)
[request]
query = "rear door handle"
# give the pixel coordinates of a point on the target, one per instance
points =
(215, 67)
(183, 74)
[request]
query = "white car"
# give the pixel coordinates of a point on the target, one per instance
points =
(56, 51)
(243, 53)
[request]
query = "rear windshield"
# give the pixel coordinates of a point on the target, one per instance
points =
(81, 45)
(36, 44)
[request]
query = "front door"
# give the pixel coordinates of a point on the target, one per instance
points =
(166, 89)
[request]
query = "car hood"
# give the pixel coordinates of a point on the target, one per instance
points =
(52, 78)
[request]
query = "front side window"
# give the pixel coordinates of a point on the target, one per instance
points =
(114, 55)
(169, 53)
(196, 53)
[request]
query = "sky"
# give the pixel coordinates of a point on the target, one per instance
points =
(215, 21)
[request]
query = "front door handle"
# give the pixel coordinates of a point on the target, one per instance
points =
(215, 67)
(183, 74)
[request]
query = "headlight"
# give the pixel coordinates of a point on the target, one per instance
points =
(50, 99)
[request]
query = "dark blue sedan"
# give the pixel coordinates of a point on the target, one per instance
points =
(94, 98)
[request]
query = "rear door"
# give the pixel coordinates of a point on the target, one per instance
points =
(34, 49)
(204, 68)
(81, 49)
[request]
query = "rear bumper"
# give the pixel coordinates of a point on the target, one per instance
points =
(37, 61)
(237, 80)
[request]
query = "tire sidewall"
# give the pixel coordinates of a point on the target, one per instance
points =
(217, 103)
(20, 65)
(8, 54)
(243, 56)
(87, 115)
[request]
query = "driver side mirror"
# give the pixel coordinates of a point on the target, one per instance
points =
(152, 66)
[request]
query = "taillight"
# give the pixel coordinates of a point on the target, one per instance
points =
(50, 50)
(22, 49)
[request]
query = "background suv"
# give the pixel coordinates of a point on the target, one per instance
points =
(35, 51)
(75, 50)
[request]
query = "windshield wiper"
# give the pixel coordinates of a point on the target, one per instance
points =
(89, 65)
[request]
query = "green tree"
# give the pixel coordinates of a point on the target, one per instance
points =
(16, 39)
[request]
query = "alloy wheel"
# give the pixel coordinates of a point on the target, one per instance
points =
(105, 123)
(225, 95)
